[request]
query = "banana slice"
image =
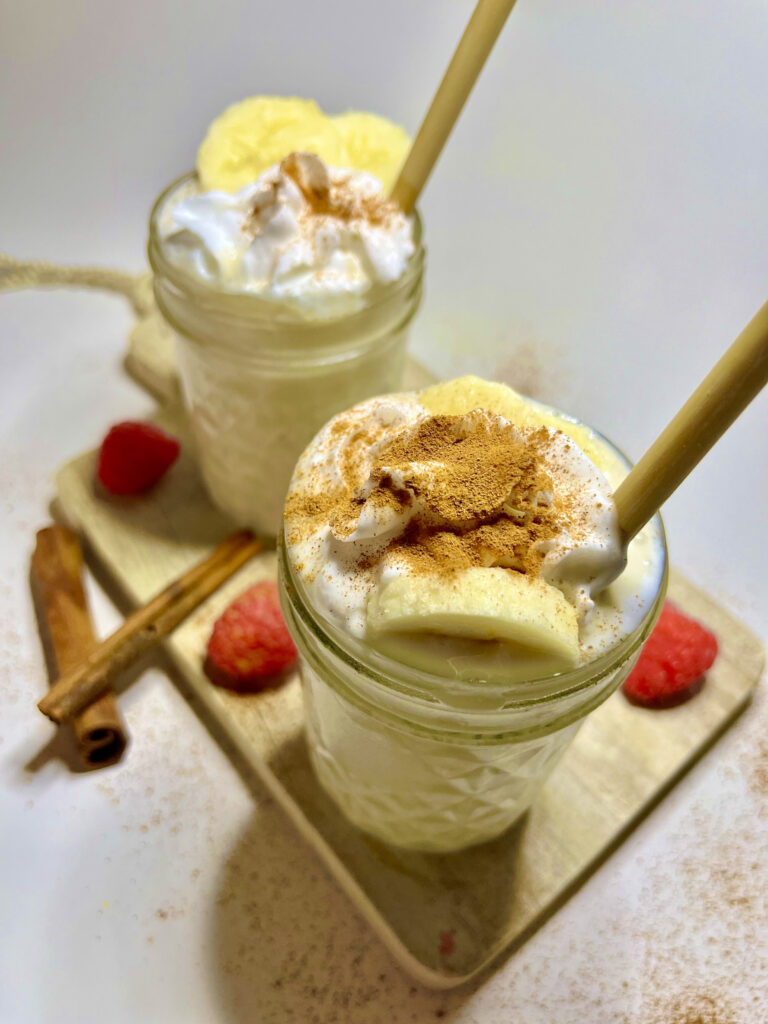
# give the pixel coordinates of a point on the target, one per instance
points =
(460, 396)
(482, 605)
(258, 132)
(372, 144)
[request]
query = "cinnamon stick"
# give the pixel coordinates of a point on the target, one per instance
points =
(68, 637)
(81, 685)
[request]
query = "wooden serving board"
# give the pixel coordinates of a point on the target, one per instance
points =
(489, 898)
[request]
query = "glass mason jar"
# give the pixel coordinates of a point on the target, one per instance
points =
(430, 762)
(259, 379)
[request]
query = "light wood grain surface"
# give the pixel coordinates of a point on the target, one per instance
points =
(492, 897)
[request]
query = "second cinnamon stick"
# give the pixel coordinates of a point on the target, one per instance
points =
(68, 637)
(90, 678)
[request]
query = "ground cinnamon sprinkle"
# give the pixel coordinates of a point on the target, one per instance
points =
(486, 499)
(484, 496)
(482, 464)
(336, 198)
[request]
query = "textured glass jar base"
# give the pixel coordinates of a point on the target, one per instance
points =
(417, 791)
(251, 425)
(422, 762)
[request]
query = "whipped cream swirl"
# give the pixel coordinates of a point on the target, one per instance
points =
(309, 236)
(352, 548)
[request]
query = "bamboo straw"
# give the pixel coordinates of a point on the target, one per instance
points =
(723, 394)
(466, 64)
(140, 631)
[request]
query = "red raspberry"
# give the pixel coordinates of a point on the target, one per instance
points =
(133, 457)
(250, 647)
(672, 663)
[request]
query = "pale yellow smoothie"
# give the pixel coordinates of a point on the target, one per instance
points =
(442, 559)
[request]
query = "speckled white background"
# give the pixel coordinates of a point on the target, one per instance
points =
(596, 233)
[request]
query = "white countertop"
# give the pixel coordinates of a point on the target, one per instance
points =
(596, 234)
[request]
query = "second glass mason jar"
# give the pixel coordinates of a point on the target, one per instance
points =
(259, 379)
(430, 762)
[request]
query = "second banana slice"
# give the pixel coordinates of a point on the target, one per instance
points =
(479, 604)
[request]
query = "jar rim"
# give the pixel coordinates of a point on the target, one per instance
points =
(384, 674)
(272, 313)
